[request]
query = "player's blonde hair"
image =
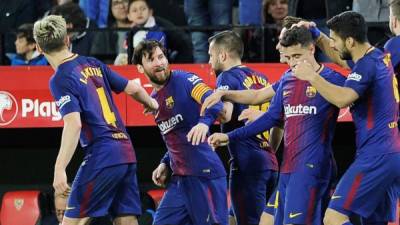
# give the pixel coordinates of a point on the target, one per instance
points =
(50, 33)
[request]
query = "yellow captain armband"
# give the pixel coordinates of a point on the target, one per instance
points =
(198, 91)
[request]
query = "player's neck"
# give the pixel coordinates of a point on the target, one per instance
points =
(360, 51)
(57, 58)
(232, 63)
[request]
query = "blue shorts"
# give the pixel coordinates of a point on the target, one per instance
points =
(193, 200)
(249, 193)
(302, 194)
(112, 190)
(272, 203)
(369, 188)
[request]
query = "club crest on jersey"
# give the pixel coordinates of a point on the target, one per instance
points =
(169, 102)
(311, 91)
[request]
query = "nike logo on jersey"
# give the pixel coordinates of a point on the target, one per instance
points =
(335, 197)
(69, 208)
(310, 165)
(293, 215)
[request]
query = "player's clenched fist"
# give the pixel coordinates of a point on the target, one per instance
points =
(218, 139)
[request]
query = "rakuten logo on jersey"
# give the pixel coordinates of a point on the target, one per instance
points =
(167, 125)
(300, 110)
(35, 108)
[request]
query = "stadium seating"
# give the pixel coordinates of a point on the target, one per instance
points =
(20, 208)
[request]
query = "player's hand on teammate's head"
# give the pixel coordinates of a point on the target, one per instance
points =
(304, 71)
(210, 101)
(218, 139)
(160, 174)
(250, 115)
(198, 134)
(306, 24)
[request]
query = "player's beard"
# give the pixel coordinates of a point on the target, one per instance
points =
(218, 68)
(159, 80)
(345, 54)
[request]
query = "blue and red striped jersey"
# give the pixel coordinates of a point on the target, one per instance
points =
(180, 101)
(252, 154)
(85, 85)
(375, 112)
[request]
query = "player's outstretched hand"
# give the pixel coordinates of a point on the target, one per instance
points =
(250, 115)
(218, 139)
(211, 100)
(304, 71)
(60, 184)
(160, 175)
(198, 134)
(152, 108)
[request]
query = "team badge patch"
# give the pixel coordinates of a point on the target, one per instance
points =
(311, 92)
(169, 102)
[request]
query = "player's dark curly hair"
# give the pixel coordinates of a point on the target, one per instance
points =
(349, 24)
(295, 36)
(145, 49)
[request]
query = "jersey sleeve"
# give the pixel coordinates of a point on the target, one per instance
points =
(276, 85)
(336, 78)
(117, 82)
(361, 76)
(199, 91)
(65, 94)
(166, 159)
(269, 119)
(392, 46)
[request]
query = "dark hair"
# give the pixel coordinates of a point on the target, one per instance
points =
(230, 41)
(295, 36)
(146, 47)
(349, 24)
(145, 1)
(288, 21)
(395, 6)
(72, 13)
(26, 31)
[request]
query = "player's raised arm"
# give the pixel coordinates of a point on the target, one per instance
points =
(138, 93)
(248, 97)
(324, 43)
(337, 95)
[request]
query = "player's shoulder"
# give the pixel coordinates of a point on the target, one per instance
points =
(185, 77)
(393, 44)
(328, 73)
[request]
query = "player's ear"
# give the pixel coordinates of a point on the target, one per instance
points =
(39, 49)
(312, 48)
(349, 42)
(67, 41)
(140, 68)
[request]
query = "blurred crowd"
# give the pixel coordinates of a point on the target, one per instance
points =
(110, 29)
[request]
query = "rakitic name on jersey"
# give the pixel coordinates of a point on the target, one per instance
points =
(88, 72)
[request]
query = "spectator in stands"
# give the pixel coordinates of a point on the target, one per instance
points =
(96, 10)
(12, 15)
(108, 44)
(274, 11)
(141, 16)
(26, 48)
(206, 13)
(177, 42)
(372, 10)
(81, 40)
